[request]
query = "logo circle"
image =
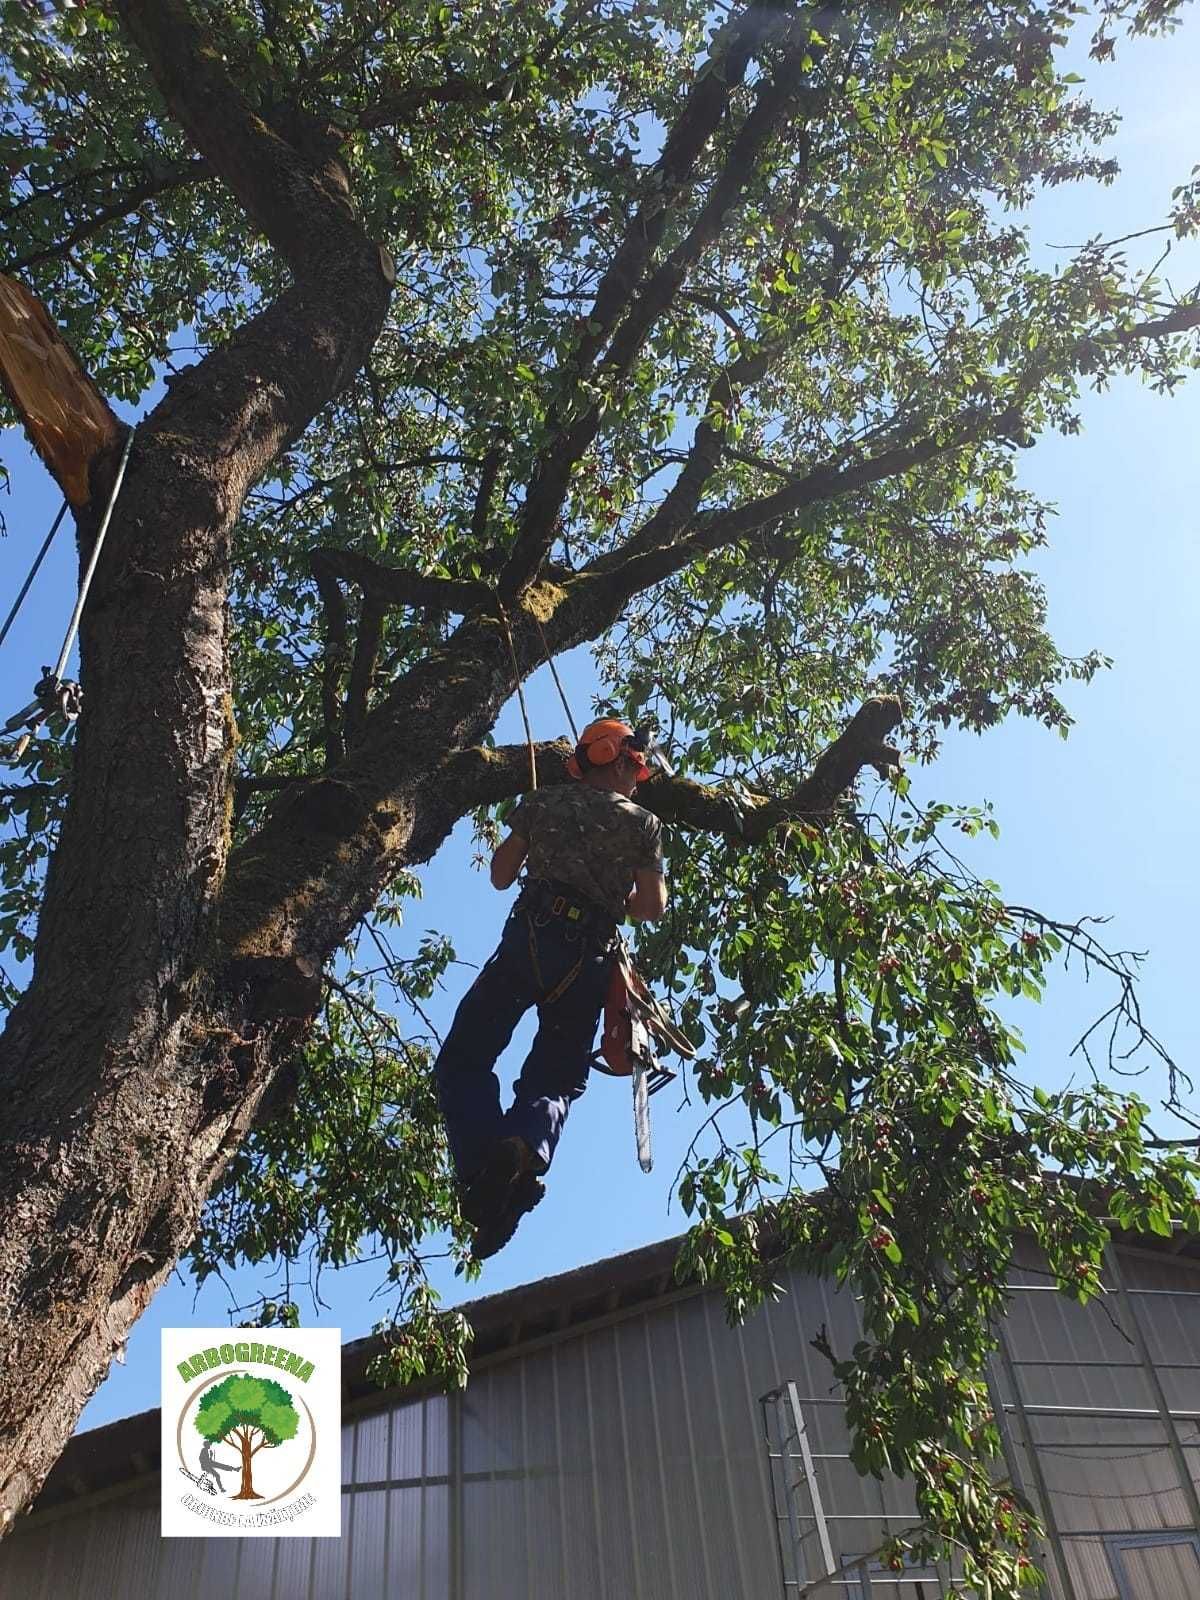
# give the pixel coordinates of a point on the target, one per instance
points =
(202, 1388)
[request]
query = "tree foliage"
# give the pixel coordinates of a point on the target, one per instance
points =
(253, 1413)
(712, 339)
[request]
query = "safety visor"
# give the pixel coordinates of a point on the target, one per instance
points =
(638, 757)
(645, 750)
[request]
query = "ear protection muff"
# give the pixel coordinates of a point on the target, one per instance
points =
(599, 752)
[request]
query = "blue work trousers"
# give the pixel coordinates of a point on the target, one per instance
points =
(535, 955)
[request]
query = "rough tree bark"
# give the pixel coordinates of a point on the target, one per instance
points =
(125, 1090)
(172, 976)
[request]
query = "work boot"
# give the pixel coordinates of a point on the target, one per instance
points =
(488, 1193)
(492, 1235)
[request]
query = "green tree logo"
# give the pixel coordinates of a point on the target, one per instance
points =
(251, 1414)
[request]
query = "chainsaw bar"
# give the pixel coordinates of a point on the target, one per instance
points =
(642, 1053)
(641, 1116)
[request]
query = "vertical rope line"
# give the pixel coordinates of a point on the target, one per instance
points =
(557, 684)
(520, 692)
(73, 625)
(33, 572)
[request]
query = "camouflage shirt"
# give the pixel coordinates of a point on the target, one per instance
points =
(593, 839)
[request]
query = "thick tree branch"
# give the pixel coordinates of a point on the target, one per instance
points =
(676, 170)
(300, 200)
(863, 743)
(248, 785)
(484, 776)
(770, 111)
(395, 587)
(406, 103)
(615, 306)
(1181, 320)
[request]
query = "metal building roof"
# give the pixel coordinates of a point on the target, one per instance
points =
(110, 1457)
(103, 1462)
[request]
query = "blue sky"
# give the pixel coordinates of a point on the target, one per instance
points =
(1098, 824)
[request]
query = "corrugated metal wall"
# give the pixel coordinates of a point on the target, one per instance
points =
(1103, 1411)
(627, 1462)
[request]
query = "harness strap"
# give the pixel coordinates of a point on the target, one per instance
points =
(560, 989)
(533, 955)
(564, 984)
(550, 897)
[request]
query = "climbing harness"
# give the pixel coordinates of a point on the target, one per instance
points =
(635, 1022)
(53, 693)
(564, 983)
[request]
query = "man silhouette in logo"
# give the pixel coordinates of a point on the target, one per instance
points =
(210, 1467)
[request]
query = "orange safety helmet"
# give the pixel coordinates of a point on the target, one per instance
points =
(601, 743)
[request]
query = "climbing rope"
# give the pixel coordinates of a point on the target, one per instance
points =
(557, 684)
(52, 692)
(520, 692)
(73, 625)
(33, 571)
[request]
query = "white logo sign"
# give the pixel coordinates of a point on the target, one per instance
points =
(251, 1433)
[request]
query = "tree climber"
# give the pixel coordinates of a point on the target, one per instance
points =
(211, 1468)
(594, 858)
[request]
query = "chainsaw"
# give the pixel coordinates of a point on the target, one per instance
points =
(635, 1023)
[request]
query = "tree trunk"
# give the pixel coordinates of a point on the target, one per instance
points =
(137, 1061)
(247, 1490)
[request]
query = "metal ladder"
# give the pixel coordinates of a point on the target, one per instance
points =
(795, 1477)
(807, 1566)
